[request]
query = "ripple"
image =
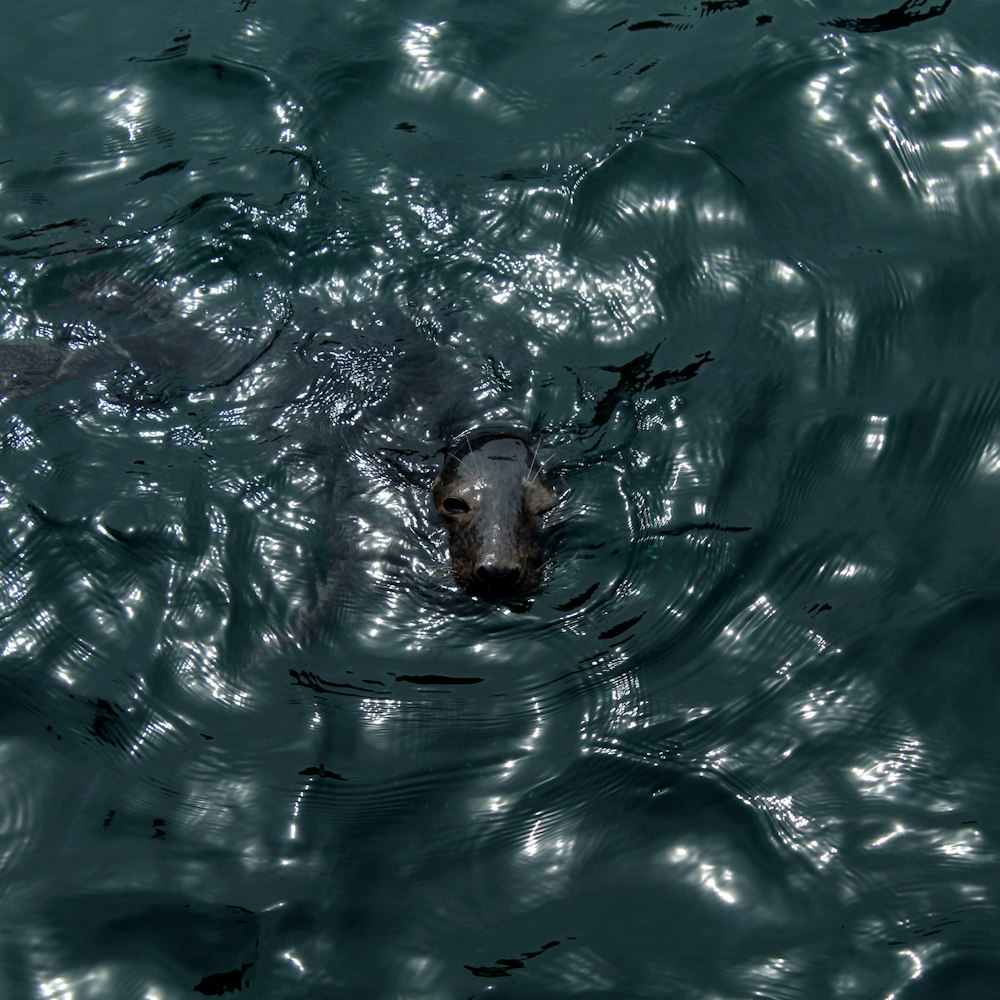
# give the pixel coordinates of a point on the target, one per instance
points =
(268, 267)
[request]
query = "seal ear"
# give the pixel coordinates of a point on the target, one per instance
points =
(538, 497)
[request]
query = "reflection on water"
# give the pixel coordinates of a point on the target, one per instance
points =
(735, 265)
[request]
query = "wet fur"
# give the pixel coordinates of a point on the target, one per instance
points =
(491, 494)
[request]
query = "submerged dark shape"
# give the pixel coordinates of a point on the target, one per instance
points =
(491, 493)
(907, 13)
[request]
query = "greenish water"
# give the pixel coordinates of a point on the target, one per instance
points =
(736, 263)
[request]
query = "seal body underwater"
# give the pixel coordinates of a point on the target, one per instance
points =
(491, 494)
(492, 489)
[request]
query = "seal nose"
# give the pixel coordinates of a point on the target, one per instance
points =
(497, 577)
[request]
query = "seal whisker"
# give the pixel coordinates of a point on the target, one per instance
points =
(532, 475)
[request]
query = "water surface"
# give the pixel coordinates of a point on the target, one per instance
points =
(735, 263)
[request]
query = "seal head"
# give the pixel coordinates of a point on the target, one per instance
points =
(490, 494)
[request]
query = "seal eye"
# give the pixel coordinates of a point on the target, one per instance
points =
(454, 505)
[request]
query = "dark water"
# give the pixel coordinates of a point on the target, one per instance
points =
(736, 262)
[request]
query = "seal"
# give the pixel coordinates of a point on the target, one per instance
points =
(492, 489)
(491, 494)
